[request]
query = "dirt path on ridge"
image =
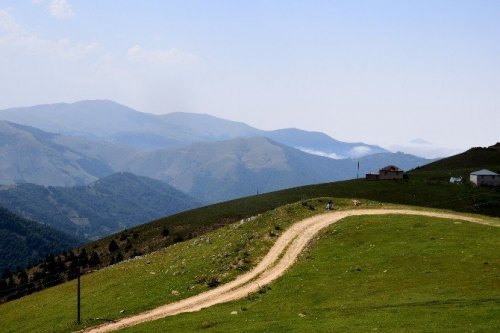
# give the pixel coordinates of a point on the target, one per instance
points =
(279, 258)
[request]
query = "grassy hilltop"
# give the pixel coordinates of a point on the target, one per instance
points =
(385, 273)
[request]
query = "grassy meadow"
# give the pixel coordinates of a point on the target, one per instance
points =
(339, 279)
(176, 272)
(372, 273)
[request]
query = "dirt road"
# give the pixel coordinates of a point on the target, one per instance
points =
(279, 258)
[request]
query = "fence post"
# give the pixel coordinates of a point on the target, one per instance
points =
(78, 321)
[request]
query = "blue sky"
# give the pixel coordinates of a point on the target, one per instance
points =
(382, 72)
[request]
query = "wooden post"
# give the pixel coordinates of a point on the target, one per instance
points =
(78, 321)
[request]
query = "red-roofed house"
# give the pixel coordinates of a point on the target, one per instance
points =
(388, 172)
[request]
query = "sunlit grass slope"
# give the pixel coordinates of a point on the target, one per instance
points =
(372, 273)
(170, 274)
(193, 266)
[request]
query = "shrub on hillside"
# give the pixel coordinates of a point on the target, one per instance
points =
(213, 282)
(113, 246)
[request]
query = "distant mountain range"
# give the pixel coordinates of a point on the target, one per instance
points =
(24, 242)
(112, 122)
(209, 171)
(108, 205)
(208, 158)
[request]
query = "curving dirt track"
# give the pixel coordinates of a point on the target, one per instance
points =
(279, 258)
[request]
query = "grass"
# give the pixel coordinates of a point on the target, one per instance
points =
(176, 272)
(189, 268)
(372, 273)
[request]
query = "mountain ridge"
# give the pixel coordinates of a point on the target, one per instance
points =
(118, 123)
(34, 156)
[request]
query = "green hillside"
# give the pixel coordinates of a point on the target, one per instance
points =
(331, 278)
(369, 274)
(187, 268)
(484, 158)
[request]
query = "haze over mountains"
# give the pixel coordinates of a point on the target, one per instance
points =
(208, 158)
(110, 121)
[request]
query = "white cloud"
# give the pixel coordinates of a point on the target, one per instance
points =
(360, 151)
(14, 38)
(321, 153)
(64, 69)
(61, 9)
(166, 56)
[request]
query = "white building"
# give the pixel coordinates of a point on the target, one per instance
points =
(485, 177)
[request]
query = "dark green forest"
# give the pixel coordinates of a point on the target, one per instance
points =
(26, 242)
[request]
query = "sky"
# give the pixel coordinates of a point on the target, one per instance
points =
(420, 76)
